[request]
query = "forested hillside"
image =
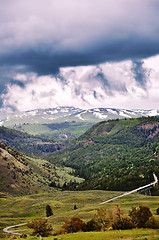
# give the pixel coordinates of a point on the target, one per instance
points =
(27, 143)
(114, 155)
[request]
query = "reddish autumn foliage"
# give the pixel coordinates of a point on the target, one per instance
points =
(118, 213)
(74, 225)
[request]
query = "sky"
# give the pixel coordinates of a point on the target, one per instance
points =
(87, 54)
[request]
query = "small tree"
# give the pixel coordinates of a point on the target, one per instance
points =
(40, 227)
(140, 216)
(152, 223)
(122, 223)
(103, 218)
(75, 207)
(92, 225)
(74, 225)
(48, 211)
(118, 213)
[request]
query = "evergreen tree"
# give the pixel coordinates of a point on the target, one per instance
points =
(48, 211)
(75, 207)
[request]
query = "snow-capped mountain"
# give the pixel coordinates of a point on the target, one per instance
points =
(69, 114)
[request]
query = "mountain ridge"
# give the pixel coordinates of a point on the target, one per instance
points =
(63, 123)
(52, 114)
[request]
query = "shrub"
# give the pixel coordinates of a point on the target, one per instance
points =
(140, 216)
(103, 218)
(122, 223)
(152, 223)
(157, 211)
(92, 225)
(74, 225)
(60, 232)
(40, 227)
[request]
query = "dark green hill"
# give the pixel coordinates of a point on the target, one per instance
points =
(114, 155)
(27, 143)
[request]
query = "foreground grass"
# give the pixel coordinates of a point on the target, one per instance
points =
(110, 235)
(134, 234)
(17, 210)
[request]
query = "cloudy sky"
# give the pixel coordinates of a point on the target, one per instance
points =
(87, 53)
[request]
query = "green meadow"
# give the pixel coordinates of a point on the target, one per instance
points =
(16, 210)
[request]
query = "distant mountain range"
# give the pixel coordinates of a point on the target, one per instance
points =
(66, 122)
(62, 114)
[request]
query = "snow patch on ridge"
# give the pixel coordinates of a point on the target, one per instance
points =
(123, 114)
(153, 113)
(100, 115)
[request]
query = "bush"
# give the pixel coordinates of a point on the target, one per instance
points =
(122, 223)
(74, 225)
(40, 227)
(152, 223)
(140, 216)
(103, 218)
(157, 211)
(92, 225)
(60, 232)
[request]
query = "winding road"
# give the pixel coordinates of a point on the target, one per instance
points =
(135, 190)
(7, 229)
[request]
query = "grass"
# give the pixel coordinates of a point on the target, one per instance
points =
(134, 234)
(109, 235)
(22, 209)
(72, 129)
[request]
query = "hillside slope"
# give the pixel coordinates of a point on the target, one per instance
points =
(21, 175)
(114, 155)
(27, 143)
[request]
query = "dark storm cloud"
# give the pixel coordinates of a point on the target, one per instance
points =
(41, 36)
(17, 82)
(140, 73)
(8, 75)
(46, 35)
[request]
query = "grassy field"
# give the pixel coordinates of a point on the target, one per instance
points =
(22, 209)
(54, 130)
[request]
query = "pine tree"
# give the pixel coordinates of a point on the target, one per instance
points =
(48, 211)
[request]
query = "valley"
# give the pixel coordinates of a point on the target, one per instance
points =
(79, 120)
(17, 210)
(111, 157)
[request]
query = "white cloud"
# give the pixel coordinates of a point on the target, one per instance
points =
(105, 85)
